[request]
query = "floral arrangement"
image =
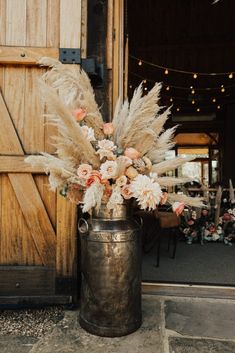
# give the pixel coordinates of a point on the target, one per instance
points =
(107, 162)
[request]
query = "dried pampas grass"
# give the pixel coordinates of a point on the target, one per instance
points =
(171, 164)
(93, 197)
(171, 181)
(187, 200)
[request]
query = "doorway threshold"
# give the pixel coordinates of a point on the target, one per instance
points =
(188, 290)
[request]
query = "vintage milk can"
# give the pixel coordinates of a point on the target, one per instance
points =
(111, 272)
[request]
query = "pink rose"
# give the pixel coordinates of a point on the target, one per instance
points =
(108, 128)
(132, 153)
(84, 171)
(126, 192)
(178, 208)
(79, 114)
(93, 177)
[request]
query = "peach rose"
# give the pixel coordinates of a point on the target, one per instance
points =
(178, 208)
(126, 192)
(84, 170)
(108, 128)
(131, 153)
(93, 177)
(131, 172)
(79, 114)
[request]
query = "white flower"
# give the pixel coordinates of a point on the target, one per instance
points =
(108, 169)
(106, 148)
(147, 192)
(121, 181)
(88, 132)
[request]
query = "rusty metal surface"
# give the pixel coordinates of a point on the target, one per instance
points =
(111, 273)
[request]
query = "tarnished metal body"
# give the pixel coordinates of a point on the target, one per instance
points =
(111, 273)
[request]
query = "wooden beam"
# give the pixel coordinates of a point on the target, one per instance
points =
(16, 164)
(25, 55)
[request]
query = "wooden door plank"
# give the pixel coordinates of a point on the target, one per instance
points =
(84, 8)
(9, 142)
(25, 55)
(14, 96)
(17, 245)
(16, 164)
(66, 236)
(53, 23)
(48, 196)
(16, 22)
(2, 22)
(35, 216)
(34, 110)
(36, 11)
(70, 24)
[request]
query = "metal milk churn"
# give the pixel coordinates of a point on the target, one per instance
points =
(111, 272)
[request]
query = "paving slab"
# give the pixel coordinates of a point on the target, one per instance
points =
(16, 344)
(187, 345)
(69, 337)
(201, 318)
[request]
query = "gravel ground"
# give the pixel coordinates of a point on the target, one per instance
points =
(30, 322)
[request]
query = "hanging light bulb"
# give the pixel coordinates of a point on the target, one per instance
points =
(198, 110)
(195, 76)
(168, 88)
(193, 101)
(171, 99)
(140, 63)
(193, 91)
(230, 75)
(218, 106)
(166, 72)
(214, 100)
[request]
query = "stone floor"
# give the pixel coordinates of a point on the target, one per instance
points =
(170, 325)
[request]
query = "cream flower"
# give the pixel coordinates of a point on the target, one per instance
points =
(147, 192)
(84, 171)
(127, 192)
(108, 169)
(121, 181)
(106, 148)
(88, 132)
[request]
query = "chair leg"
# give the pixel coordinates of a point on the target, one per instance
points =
(158, 250)
(175, 240)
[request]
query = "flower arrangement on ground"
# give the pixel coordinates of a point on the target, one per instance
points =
(107, 162)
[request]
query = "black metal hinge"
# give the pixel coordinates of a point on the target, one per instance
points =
(94, 69)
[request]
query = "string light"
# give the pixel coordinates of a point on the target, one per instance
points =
(222, 88)
(214, 100)
(178, 109)
(218, 106)
(168, 88)
(198, 110)
(140, 61)
(130, 86)
(144, 81)
(145, 88)
(171, 99)
(166, 72)
(193, 91)
(193, 101)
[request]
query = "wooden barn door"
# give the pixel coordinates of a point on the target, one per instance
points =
(37, 226)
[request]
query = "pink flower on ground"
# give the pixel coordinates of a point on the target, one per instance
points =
(126, 192)
(131, 153)
(178, 208)
(79, 114)
(108, 129)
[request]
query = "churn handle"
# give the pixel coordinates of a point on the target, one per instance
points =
(83, 226)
